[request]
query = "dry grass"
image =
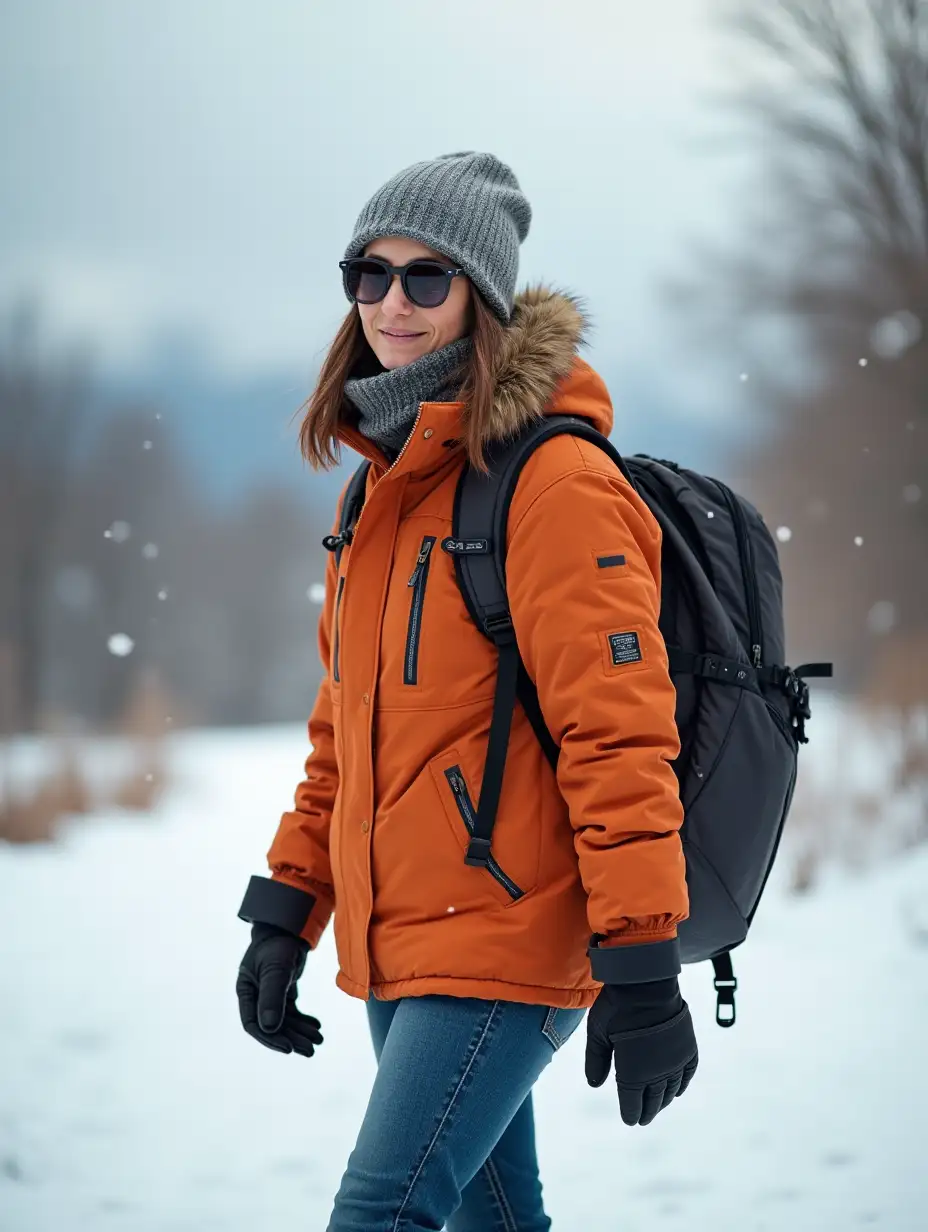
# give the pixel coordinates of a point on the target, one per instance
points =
(867, 801)
(33, 808)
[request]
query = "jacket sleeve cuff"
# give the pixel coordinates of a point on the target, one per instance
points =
(635, 964)
(275, 902)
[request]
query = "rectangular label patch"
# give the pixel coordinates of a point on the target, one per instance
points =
(607, 562)
(625, 648)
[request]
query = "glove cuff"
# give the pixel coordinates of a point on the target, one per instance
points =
(274, 902)
(635, 964)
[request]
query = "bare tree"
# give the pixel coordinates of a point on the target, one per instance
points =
(835, 246)
(43, 403)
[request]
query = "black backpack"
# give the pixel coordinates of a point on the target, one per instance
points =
(740, 712)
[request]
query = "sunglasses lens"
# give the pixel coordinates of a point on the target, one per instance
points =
(366, 281)
(427, 284)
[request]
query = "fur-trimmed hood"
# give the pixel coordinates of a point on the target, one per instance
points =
(539, 355)
(537, 371)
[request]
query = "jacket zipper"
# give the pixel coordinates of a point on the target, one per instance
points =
(418, 582)
(338, 603)
(468, 816)
(749, 571)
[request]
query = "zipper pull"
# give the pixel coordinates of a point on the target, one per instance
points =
(420, 560)
(756, 655)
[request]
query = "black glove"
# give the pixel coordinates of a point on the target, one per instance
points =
(266, 988)
(649, 1028)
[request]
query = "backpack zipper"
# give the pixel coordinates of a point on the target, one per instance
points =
(466, 809)
(418, 581)
(748, 570)
(338, 603)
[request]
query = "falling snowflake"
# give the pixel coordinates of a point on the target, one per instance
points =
(784, 534)
(744, 376)
(162, 594)
(149, 778)
(709, 513)
(157, 415)
(859, 540)
(146, 444)
(120, 644)
(862, 362)
(150, 551)
(316, 593)
(119, 531)
(881, 617)
(894, 334)
(911, 493)
(450, 911)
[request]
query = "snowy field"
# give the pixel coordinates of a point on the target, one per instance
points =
(131, 1100)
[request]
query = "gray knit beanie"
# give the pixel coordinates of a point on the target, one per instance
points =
(468, 206)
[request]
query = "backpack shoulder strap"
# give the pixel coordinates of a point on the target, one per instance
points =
(352, 505)
(478, 546)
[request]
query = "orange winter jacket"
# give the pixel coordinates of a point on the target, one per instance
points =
(400, 724)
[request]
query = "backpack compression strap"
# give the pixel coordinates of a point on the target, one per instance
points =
(351, 511)
(478, 546)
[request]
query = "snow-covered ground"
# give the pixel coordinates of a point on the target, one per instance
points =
(131, 1100)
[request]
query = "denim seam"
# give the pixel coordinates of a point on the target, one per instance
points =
(499, 1194)
(550, 1031)
(446, 1114)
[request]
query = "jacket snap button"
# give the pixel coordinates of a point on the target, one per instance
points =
(365, 826)
(427, 433)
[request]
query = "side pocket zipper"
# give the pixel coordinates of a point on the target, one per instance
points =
(468, 816)
(418, 581)
(338, 603)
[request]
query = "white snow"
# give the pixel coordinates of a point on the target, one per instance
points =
(131, 1100)
(120, 644)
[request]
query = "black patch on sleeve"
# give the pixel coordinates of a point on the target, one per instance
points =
(606, 562)
(625, 648)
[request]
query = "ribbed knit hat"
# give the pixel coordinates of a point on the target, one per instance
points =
(468, 206)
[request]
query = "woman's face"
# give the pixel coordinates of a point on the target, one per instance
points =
(396, 329)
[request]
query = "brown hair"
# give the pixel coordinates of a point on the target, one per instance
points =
(323, 409)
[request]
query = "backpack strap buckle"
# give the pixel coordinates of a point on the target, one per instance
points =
(499, 628)
(478, 853)
(725, 1000)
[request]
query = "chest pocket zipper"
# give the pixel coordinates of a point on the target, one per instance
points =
(468, 816)
(418, 581)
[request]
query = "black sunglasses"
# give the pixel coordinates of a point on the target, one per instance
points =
(425, 282)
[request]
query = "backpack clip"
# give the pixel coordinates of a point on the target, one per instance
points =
(499, 628)
(797, 691)
(478, 853)
(725, 1000)
(332, 543)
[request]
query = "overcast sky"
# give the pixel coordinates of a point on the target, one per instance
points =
(197, 165)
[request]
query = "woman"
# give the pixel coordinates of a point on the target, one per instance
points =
(475, 977)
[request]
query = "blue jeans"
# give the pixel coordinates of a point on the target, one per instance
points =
(448, 1139)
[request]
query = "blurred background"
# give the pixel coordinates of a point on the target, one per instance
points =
(739, 190)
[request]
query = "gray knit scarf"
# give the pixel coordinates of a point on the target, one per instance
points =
(388, 401)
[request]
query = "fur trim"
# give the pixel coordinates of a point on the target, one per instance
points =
(538, 351)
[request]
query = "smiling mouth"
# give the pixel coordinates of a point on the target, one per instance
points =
(399, 335)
